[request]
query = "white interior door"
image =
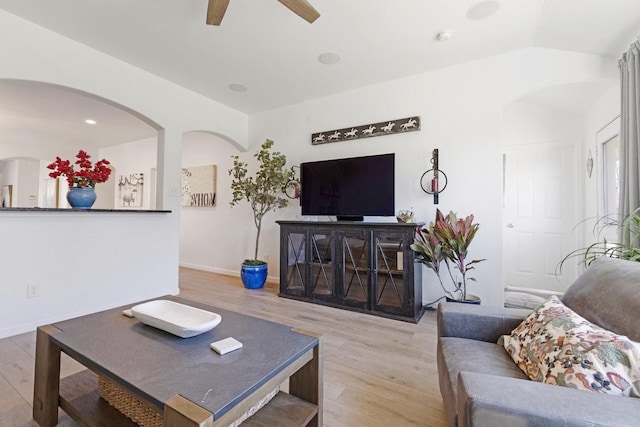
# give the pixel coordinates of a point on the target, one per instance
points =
(540, 206)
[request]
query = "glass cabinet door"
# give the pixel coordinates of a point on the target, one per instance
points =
(322, 248)
(391, 289)
(294, 279)
(354, 266)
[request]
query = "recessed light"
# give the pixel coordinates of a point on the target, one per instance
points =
(237, 87)
(483, 10)
(90, 122)
(328, 58)
(445, 35)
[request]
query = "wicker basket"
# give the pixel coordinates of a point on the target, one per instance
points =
(146, 416)
(133, 408)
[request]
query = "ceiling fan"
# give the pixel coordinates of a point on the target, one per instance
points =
(217, 8)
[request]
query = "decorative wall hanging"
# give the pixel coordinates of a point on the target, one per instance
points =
(438, 181)
(130, 190)
(410, 124)
(292, 188)
(589, 164)
(199, 186)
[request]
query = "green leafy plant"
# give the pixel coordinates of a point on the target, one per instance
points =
(627, 249)
(263, 191)
(446, 240)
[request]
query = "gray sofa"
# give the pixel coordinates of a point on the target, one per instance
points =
(482, 386)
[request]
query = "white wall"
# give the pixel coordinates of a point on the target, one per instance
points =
(132, 158)
(526, 123)
(28, 183)
(10, 176)
(462, 115)
(461, 109)
(599, 115)
(86, 262)
(43, 174)
(22, 175)
(218, 238)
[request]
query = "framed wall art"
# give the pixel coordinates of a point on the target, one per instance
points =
(388, 127)
(130, 190)
(199, 186)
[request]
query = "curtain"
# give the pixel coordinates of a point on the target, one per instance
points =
(629, 201)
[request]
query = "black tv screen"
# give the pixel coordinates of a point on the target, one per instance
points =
(353, 187)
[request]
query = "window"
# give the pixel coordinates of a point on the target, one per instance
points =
(608, 151)
(610, 177)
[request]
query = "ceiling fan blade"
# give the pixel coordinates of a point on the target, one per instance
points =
(302, 8)
(216, 10)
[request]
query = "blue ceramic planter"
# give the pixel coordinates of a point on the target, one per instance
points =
(253, 276)
(81, 197)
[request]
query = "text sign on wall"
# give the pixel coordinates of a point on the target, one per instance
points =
(199, 186)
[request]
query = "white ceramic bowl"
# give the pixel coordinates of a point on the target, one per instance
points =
(178, 319)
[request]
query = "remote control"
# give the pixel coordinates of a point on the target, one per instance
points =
(226, 345)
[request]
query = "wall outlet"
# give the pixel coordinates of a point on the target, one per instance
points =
(265, 258)
(33, 291)
(174, 191)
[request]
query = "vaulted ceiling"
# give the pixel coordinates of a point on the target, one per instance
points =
(271, 51)
(264, 47)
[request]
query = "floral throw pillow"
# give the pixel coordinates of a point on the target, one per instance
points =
(555, 345)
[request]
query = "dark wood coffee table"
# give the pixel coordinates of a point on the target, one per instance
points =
(183, 379)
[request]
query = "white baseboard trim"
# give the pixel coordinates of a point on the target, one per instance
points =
(211, 269)
(545, 293)
(235, 273)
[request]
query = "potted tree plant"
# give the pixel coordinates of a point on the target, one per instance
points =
(264, 192)
(446, 240)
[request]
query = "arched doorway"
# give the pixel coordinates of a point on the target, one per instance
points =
(39, 121)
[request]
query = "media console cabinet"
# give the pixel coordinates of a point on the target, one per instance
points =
(359, 266)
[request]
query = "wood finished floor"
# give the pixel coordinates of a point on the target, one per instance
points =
(377, 371)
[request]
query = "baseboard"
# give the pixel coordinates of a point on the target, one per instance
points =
(211, 269)
(235, 273)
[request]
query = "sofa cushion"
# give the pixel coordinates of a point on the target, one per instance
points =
(492, 401)
(608, 294)
(522, 300)
(462, 354)
(555, 345)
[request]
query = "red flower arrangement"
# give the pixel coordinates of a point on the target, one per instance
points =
(87, 176)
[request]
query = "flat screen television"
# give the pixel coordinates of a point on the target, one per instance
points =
(349, 188)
